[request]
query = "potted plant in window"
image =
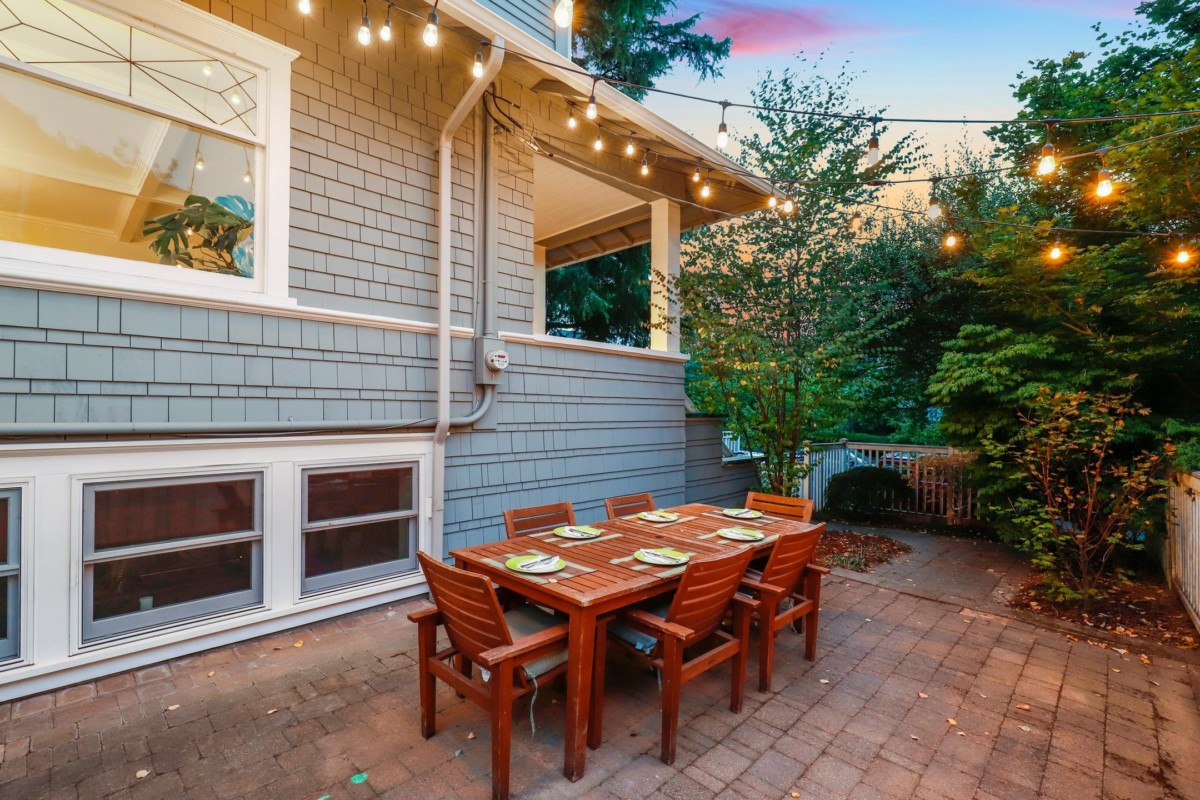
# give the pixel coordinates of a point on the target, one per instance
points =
(210, 235)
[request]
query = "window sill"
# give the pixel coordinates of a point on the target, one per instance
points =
(542, 340)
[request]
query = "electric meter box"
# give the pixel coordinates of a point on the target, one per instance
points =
(491, 359)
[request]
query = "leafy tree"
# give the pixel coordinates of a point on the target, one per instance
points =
(605, 299)
(773, 307)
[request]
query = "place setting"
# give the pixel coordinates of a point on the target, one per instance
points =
(659, 518)
(650, 557)
(580, 534)
(533, 565)
(750, 515)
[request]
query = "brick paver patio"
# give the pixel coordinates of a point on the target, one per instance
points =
(910, 696)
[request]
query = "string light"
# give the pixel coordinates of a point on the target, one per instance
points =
(207, 69)
(788, 206)
(1182, 256)
(430, 35)
(935, 208)
(1048, 162)
(1056, 252)
(706, 189)
(951, 241)
(477, 66)
(592, 110)
(1104, 185)
(199, 159)
(364, 30)
(599, 143)
(235, 98)
(385, 33)
(645, 166)
(572, 123)
(247, 178)
(696, 175)
(629, 149)
(874, 155)
(563, 13)
(723, 129)
(305, 6)
(772, 201)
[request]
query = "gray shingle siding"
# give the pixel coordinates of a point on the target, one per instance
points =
(709, 480)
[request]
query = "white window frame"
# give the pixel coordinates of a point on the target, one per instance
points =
(98, 631)
(10, 568)
(345, 579)
(36, 266)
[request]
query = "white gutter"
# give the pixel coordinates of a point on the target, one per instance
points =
(469, 100)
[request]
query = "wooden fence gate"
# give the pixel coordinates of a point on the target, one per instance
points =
(1183, 533)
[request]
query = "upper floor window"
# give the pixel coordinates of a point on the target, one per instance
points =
(140, 142)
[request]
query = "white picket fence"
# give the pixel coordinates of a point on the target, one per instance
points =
(1183, 548)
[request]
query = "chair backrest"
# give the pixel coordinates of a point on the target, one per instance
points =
(629, 504)
(470, 610)
(524, 521)
(706, 590)
(791, 553)
(797, 508)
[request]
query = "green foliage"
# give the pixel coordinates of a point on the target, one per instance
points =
(863, 490)
(629, 40)
(1087, 492)
(218, 230)
(606, 299)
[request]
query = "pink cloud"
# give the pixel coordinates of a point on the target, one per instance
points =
(759, 29)
(1091, 9)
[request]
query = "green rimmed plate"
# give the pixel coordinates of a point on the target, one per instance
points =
(741, 534)
(536, 564)
(741, 513)
(658, 516)
(577, 532)
(662, 556)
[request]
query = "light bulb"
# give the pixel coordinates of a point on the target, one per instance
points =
(935, 209)
(235, 98)
(207, 69)
(722, 136)
(563, 12)
(599, 143)
(1056, 253)
(571, 121)
(189, 230)
(855, 222)
(629, 149)
(772, 201)
(364, 31)
(696, 175)
(305, 6)
(430, 35)
(385, 33)
(645, 167)
(1104, 186)
(477, 67)
(1183, 256)
(247, 177)
(788, 206)
(592, 111)
(706, 190)
(951, 241)
(199, 161)
(1048, 162)
(874, 156)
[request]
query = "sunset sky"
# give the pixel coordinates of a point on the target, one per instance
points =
(916, 58)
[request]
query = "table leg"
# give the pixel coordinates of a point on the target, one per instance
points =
(581, 644)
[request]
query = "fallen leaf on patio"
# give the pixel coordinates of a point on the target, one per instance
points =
(1025, 728)
(795, 794)
(922, 695)
(1145, 659)
(824, 680)
(960, 733)
(1116, 670)
(172, 708)
(299, 643)
(271, 711)
(914, 738)
(141, 773)
(471, 735)
(984, 696)
(211, 673)
(1156, 683)
(868, 619)
(1022, 706)
(1071, 638)
(952, 721)
(1120, 650)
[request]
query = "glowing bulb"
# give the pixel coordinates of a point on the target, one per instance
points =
(305, 6)
(235, 98)
(1104, 186)
(788, 206)
(592, 111)
(571, 121)
(722, 136)
(477, 67)
(1183, 256)
(364, 31)
(599, 143)
(645, 167)
(772, 201)
(696, 175)
(563, 12)
(199, 161)
(1056, 253)
(629, 149)
(1048, 163)
(706, 190)
(189, 230)
(951, 241)
(207, 70)
(385, 33)
(874, 156)
(247, 177)
(935, 209)
(430, 35)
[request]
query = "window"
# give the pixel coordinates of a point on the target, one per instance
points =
(10, 575)
(359, 524)
(161, 551)
(137, 152)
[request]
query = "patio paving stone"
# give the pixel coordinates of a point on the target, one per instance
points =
(276, 721)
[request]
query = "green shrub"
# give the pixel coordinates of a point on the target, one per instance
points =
(863, 490)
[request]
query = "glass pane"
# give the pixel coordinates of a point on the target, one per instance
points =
(355, 493)
(90, 48)
(167, 579)
(4, 606)
(147, 514)
(356, 546)
(84, 174)
(5, 510)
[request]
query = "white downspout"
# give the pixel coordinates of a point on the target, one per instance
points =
(445, 251)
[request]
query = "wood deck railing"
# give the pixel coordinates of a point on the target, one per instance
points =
(1183, 540)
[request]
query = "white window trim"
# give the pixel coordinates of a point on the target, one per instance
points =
(37, 266)
(17, 538)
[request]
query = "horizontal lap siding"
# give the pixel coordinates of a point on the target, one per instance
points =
(709, 479)
(572, 426)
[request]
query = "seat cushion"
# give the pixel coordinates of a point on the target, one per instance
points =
(638, 640)
(526, 620)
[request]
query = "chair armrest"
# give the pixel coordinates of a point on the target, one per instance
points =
(654, 623)
(764, 588)
(523, 647)
(425, 615)
(747, 603)
(816, 568)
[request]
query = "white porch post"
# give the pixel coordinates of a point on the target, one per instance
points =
(664, 270)
(539, 289)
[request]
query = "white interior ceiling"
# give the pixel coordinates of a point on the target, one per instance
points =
(565, 199)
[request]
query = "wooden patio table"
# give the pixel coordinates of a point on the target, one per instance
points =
(601, 578)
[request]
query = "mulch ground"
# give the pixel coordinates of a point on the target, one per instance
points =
(858, 551)
(1135, 610)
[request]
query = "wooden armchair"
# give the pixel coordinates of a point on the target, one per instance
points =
(789, 572)
(794, 508)
(629, 504)
(481, 632)
(660, 635)
(535, 519)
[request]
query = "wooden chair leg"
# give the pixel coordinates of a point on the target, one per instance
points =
(810, 633)
(466, 668)
(426, 643)
(596, 711)
(741, 625)
(672, 675)
(502, 709)
(766, 644)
